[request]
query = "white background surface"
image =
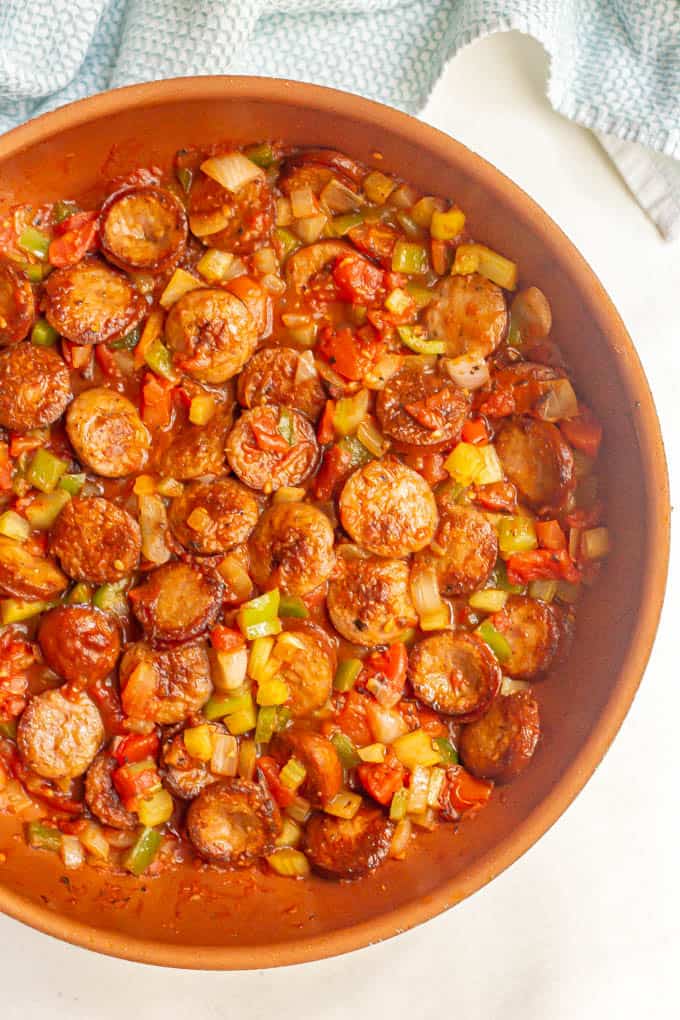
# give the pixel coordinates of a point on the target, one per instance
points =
(587, 924)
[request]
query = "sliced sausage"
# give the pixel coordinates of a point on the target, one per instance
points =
(538, 460)
(500, 744)
(212, 517)
(143, 229)
(320, 759)
(291, 548)
(303, 265)
(275, 375)
(183, 681)
(422, 410)
(455, 673)
(314, 168)
(177, 601)
(264, 455)
(468, 314)
(91, 303)
(531, 311)
(95, 540)
(102, 797)
(107, 433)
(27, 576)
(233, 822)
(388, 508)
(532, 630)
(58, 736)
(35, 387)
(369, 603)
(463, 551)
(308, 670)
(239, 223)
(348, 847)
(183, 775)
(17, 305)
(197, 451)
(211, 334)
(79, 643)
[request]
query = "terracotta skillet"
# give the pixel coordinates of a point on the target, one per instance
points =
(201, 919)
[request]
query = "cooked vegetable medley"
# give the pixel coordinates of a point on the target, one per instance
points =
(296, 503)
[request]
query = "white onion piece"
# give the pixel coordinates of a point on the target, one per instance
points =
(509, 686)
(419, 785)
(224, 761)
(469, 371)
(232, 170)
(229, 669)
(400, 840)
(305, 370)
(386, 724)
(153, 522)
(95, 842)
(425, 591)
(72, 852)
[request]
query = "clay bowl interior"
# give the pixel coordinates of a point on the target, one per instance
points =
(194, 918)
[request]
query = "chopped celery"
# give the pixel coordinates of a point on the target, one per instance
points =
(410, 258)
(293, 606)
(219, 706)
(13, 525)
(355, 448)
(42, 334)
(488, 600)
(143, 851)
(262, 155)
(374, 753)
(496, 641)
(416, 339)
(289, 863)
(346, 674)
(16, 610)
(399, 804)
(72, 483)
(159, 359)
(343, 805)
(544, 590)
(516, 535)
(293, 774)
(80, 594)
(45, 470)
(424, 209)
(290, 834)
(127, 342)
(266, 724)
(447, 225)
(399, 302)
(448, 753)
(347, 752)
(242, 722)
(43, 837)
(422, 296)
(477, 258)
(35, 242)
(259, 616)
(45, 508)
(283, 717)
(341, 225)
(37, 271)
(111, 597)
(287, 242)
(350, 412)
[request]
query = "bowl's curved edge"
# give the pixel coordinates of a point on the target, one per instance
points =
(657, 540)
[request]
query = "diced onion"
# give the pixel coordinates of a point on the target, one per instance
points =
(510, 686)
(425, 820)
(385, 724)
(265, 260)
(289, 863)
(237, 577)
(372, 753)
(557, 401)
(433, 613)
(180, 284)
(370, 436)
(544, 590)
(204, 224)
(437, 777)
(469, 371)
(153, 522)
(229, 669)
(338, 198)
(420, 783)
(289, 494)
(400, 839)
(595, 543)
(383, 692)
(344, 805)
(232, 170)
(383, 371)
(305, 370)
(72, 853)
(95, 842)
(310, 228)
(284, 212)
(274, 284)
(303, 203)
(224, 761)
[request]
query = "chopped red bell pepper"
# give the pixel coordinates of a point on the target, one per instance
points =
(225, 639)
(499, 496)
(106, 360)
(584, 433)
(358, 280)
(429, 465)
(542, 564)
(475, 432)
(269, 768)
(353, 720)
(326, 431)
(351, 355)
(75, 236)
(5, 468)
(335, 468)
(384, 674)
(136, 747)
(267, 435)
(156, 401)
(382, 780)
(131, 781)
(462, 793)
(550, 535)
(442, 256)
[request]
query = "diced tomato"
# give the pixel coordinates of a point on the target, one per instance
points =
(498, 404)
(156, 401)
(381, 781)
(5, 468)
(335, 468)
(139, 689)
(225, 639)
(326, 432)
(75, 237)
(433, 411)
(462, 793)
(78, 356)
(270, 770)
(384, 674)
(550, 535)
(352, 718)
(429, 465)
(24, 442)
(358, 280)
(475, 432)
(352, 356)
(106, 360)
(542, 564)
(136, 747)
(377, 240)
(267, 435)
(131, 782)
(585, 517)
(499, 496)
(584, 433)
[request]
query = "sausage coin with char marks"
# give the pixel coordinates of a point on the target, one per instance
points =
(80, 643)
(462, 553)
(91, 303)
(421, 411)
(35, 388)
(348, 847)
(177, 602)
(59, 733)
(455, 673)
(532, 631)
(501, 744)
(211, 334)
(233, 822)
(143, 229)
(102, 797)
(96, 540)
(183, 682)
(272, 446)
(107, 433)
(291, 548)
(369, 602)
(213, 517)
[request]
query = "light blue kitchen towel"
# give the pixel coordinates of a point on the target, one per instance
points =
(614, 64)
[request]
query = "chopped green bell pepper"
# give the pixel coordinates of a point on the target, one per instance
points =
(496, 641)
(45, 470)
(416, 339)
(72, 483)
(142, 853)
(35, 242)
(266, 724)
(346, 674)
(43, 837)
(42, 334)
(446, 750)
(261, 155)
(410, 258)
(293, 606)
(127, 342)
(347, 752)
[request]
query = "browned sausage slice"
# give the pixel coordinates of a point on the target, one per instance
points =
(463, 551)
(263, 457)
(533, 632)
(212, 517)
(500, 744)
(102, 798)
(197, 451)
(239, 223)
(183, 775)
(320, 759)
(456, 673)
(79, 643)
(388, 508)
(17, 305)
(58, 736)
(107, 433)
(313, 168)
(538, 460)
(468, 314)
(233, 822)
(178, 601)
(291, 548)
(183, 681)
(306, 262)
(95, 540)
(27, 576)
(369, 603)
(308, 669)
(422, 410)
(348, 847)
(35, 387)
(143, 229)
(91, 303)
(211, 333)
(280, 375)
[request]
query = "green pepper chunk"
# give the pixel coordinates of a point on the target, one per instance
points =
(259, 617)
(342, 225)
(45, 470)
(410, 258)
(42, 334)
(287, 242)
(37, 271)
(159, 359)
(72, 483)
(143, 851)
(62, 209)
(499, 579)
(347, 752)
(218, 707)
(293, 606)
(261, 155)
(43, 837)
(266, 724)
(79, 595)
(416, 339)
(111, 597)
(35, 242)
(355, 448)
(346, 674)
(185, 178)
(127, 342)
(446, 750)
(496, 641)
